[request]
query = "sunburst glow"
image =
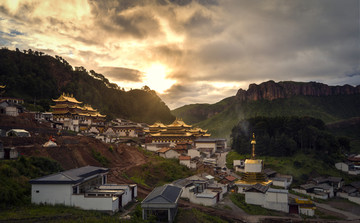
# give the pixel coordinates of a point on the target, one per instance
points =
(155, 78)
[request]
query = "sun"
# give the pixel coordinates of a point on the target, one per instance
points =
(155, 77)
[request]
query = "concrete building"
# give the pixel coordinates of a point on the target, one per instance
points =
(217, 145)
(162, 202)
(18, 133)
(83, 187)
(8, 153)
(168, 153)
(270, 198)
(186, 160)
(201, 189)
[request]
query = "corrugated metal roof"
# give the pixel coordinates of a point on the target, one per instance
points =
(70, 176)
(164, 194)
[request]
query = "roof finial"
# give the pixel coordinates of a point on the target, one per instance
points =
(253, 142)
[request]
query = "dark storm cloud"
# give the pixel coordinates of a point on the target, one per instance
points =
(109, 16)
(120, 74)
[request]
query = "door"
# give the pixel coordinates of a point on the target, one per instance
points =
(7, 154)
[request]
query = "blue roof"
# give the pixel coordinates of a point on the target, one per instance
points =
(70, 176)
(164, 194)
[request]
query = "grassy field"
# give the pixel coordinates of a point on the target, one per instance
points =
(301, 166)
(158, 171)
(239, 200)
(57, 213)
(196, 216)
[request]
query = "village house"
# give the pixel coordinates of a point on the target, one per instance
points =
(10, 108)
(322, 191)
(8, 153)
(193, 153)
(351, 165)
(168, 153)
(162, 203)
(269, 198)
(350, 191)
(186, 161)
(213, 144)
(302, 206)
(201, 189)
(85, 187)
(239, 165)
(279, 180)
(229, 181)
(18, 133)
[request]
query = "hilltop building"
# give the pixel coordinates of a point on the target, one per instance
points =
(72, 114)
(178, 131)
(253, 172)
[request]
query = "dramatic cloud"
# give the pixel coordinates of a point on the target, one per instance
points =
(193, 51)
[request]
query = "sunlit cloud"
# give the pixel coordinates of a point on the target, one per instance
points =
(192, 51)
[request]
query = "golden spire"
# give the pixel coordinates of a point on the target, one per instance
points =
(253, 142)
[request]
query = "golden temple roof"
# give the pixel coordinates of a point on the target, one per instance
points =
(157, 125)
(178, 123)
(67, 98)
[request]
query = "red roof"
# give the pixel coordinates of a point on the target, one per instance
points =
(184, 157)
(230, 178)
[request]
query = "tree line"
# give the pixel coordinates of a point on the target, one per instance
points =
(38, 78)
(285, 136)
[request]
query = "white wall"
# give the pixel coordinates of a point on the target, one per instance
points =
(185, 162)
(276, 201)
(12, 111)
(253, 167)
(342, 166)
(254, 198)
(51, 194)
(193, 153)
(307, 211)
(204, 201)
(205, 145)
(13, 154)
(354, 199)
(95, 203)
(171, 154)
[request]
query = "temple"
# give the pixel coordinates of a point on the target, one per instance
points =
(253, 172)
(68, 108)
(178, 131)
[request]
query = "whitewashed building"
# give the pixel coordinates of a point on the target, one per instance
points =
(83, 187)
(168, 153)
(201, 189)
(270, 198)
(193, 153)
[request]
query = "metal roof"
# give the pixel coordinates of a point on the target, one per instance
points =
(70, 176)
(164, 194)
(259, 187)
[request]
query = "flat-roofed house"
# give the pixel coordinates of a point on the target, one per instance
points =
(270, 198)
(162, 202)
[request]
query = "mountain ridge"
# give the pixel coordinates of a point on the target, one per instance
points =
(220, 117)
(38, 78)
(271, 90)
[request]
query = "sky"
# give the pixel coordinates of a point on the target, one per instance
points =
(193, 51)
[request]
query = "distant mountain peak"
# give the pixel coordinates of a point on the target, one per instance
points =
(272, 90)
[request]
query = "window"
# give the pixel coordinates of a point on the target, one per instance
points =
(37, 191)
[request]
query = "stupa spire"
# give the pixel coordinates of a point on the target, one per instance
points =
(253, 143)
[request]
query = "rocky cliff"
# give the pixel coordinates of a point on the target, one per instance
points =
(271, 90)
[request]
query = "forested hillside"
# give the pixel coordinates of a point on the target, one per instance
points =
(37, 78)
(286, 136)
(330, 104)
